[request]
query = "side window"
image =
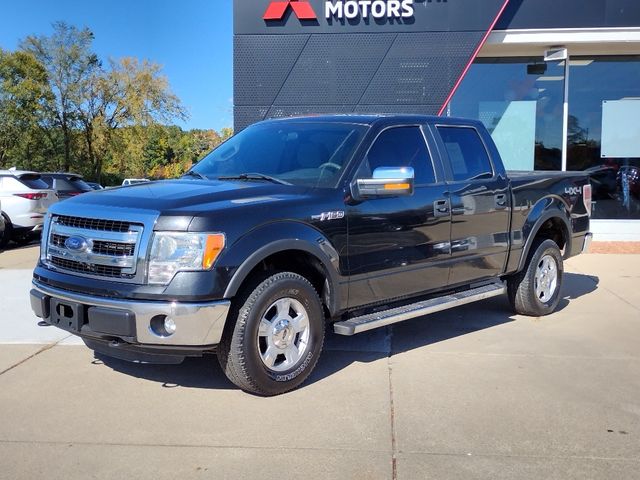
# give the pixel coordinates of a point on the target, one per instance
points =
(467, 154)
(400, 147)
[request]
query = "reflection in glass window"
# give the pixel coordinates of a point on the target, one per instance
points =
(467, 156)
(400, 147)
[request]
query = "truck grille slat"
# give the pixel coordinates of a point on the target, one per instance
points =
(94, 224)
(114, 249)
(102, 270)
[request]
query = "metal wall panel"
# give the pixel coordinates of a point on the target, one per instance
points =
(335, 69)
(541, 14)
(421, 68)
(261, 64)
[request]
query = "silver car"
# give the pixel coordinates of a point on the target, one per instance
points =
(25, 198)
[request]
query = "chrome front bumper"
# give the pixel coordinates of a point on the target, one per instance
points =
(197, 324)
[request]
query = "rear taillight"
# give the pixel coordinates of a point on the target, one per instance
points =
(31, 196)
(586, 197)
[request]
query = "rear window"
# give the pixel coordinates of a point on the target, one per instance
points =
(79, 184)
(467, 155)
(75, 184)
(33, 181)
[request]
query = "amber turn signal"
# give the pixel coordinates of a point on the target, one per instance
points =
(397, 186)
(213, 247)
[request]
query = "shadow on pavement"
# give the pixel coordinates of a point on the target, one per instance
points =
(192, 373)
(416, 333)
(20, 246)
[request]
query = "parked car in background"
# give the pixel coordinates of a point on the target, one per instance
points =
(2, 225)
(95, 186)
(133, 181)
(25, 198)
(66, 185)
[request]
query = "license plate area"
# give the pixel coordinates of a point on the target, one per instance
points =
(66, 315)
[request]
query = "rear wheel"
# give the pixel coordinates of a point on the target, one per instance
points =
(536, 290)
(277, 337)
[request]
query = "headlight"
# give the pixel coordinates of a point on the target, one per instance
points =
(175, 252)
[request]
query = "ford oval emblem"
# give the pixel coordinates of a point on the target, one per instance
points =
(76, 244)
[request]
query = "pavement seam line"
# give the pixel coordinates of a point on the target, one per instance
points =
(392, 413)
(506, 455)
(24, 360)
(181, 445)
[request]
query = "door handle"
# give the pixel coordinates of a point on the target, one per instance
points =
(441, 208)
(501, 200)
(458, 211)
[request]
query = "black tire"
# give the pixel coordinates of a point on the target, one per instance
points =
(239, 352)
(6, 238)
(521, 287)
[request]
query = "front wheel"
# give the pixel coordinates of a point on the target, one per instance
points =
(536, 290)
(277, 337)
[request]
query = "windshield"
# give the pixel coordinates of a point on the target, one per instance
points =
(308, 154)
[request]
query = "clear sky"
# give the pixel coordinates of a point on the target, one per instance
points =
(191, 39)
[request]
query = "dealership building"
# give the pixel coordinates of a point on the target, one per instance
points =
(556, 82)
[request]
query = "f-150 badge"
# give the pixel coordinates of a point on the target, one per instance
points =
(328, 216)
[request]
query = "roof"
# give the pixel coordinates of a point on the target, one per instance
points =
(372, 119)
(61, 174)
(17, 173)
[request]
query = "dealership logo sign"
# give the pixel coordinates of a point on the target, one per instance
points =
(342, 9)
(302, 9)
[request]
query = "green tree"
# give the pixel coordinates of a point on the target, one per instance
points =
(129, 94)
(71, 65)
(24, 94)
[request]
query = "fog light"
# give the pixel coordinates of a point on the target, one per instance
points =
(162, 326)
(169, 326)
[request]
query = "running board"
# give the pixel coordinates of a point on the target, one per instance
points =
(399, 314)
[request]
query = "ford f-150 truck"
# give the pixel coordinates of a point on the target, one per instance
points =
(293, 225)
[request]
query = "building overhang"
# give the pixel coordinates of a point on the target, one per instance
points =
(579, 41)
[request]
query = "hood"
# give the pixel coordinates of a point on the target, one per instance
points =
(182, 197)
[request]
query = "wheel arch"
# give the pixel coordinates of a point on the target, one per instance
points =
(305, 252)
(548, 220)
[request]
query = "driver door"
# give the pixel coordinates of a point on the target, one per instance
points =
(399, 246)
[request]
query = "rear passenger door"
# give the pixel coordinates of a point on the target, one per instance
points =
(480, 205)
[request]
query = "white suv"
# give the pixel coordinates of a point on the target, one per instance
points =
(25, 198)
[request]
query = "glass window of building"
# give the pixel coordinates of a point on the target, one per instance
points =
(520, 101)
(604, 131)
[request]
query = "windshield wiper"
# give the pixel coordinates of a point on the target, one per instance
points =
(193, 173)
(255, 176)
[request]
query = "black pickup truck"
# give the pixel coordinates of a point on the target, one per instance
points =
(291, 225)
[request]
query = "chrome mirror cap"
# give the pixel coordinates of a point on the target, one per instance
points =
(385, 182)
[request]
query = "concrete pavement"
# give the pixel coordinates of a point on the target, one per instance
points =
(475, 392)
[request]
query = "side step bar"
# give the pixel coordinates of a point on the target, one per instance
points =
(425, 307)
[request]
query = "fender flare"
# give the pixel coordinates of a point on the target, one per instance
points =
(554, 209)
(280, 237)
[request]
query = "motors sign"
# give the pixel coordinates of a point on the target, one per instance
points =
(342, 9)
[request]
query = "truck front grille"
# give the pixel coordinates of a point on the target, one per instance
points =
(98, 248)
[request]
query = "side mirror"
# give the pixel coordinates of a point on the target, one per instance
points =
(386, 182)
